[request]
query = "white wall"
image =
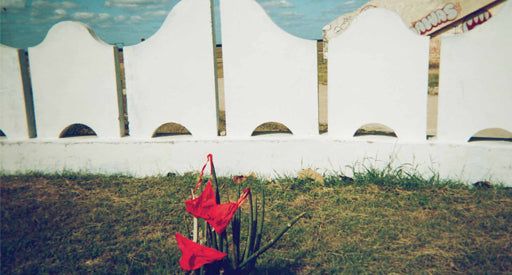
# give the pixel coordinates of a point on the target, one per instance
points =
(378, 73)
(475, 82)
(74, 80)
(269, 75)
(16, 116)
(265, 156)
(170, 77)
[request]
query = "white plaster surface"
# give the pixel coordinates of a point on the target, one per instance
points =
(475, 88)
(265, 156)
(170, 77)
(378, 73)
(74, 81)
(377, 63)
(13, 120)
(269, 75)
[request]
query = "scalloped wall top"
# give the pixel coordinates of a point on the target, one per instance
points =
(395, 25)
(72, 32)
(476, 76)
(171, 75)
(258, 13)
(382, 65)
(269, 74)
(173, 17)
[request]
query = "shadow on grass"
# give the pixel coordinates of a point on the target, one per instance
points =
(274, 270)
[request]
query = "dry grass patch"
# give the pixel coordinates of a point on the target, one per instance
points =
(378, 223)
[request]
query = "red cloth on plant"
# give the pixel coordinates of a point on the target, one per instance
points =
(209, 158)
(206, 207)
(220, 215)
(195, 255)
(200, 206)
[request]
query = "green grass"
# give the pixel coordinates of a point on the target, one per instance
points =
(381, 222)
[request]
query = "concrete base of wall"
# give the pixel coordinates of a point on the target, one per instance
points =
(271, 155)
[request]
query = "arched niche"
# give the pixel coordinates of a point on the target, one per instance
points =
(271, 128)
(491, 134)
(373, 79)
(171, 129)
(375, 129)
(77, 130)
(74, 77)
(171, 75)
(269, 75)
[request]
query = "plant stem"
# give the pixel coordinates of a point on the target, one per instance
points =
(214, 176)
(222, 246)
(194, 231)
(273, 241)
(259, 231)
(251, 232)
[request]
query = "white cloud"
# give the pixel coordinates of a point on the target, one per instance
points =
(277, 4)
(135, 19)
(137, 4)
(83, 15)
(120, 4)
(60, 13)
(156, 13)
(42, 4)
(69, 5)
(96, 18)
(120, 18)
(129, 20)
(344, 8)
(350, 4)
(290, 15)
(12, 4)
(103, 16)
(104, 26)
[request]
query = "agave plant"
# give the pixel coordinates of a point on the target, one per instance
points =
(217, 253)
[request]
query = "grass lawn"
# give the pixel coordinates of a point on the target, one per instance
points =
(381, 222)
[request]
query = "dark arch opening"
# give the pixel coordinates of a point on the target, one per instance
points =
(375, 129)
(492, 134)
(271, 128)
(171, 129)
(2, 134)
(77, 130)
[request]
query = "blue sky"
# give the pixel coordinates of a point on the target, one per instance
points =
(24, 23)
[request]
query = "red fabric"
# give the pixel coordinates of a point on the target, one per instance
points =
(200, 206)
(220, 215)
(205, 206)
(195, 255)
(209, 158)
